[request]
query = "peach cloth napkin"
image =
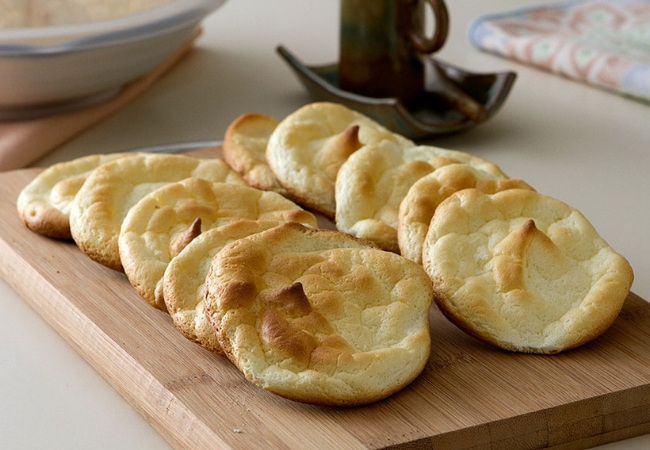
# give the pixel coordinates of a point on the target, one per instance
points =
(604, 43)
(24, 142)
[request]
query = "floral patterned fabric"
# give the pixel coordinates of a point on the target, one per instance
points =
(605, 43)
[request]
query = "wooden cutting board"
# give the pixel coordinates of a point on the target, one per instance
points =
(470, 396)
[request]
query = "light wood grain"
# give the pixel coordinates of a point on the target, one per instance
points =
(470, 396)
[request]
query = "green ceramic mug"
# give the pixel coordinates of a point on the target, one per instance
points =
(381, 45)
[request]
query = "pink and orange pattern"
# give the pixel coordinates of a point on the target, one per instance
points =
(605, 43)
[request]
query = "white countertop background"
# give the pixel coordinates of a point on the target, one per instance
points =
(587, 147)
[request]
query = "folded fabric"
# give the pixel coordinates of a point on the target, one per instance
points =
(24, 142)
(605, 43)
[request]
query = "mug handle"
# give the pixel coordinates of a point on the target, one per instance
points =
(441, 18)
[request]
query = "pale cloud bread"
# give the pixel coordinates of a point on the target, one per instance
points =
(44, 204)
(111, 190)
(420, 202)
(523, 271)
(318, 316)
(244, 149)
(309, 146)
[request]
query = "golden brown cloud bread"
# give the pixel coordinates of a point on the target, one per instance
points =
(184, 279)
(308, 147)
(244, 149)
(44, 204)
(154, 225)
(418, 206)
(523, 271)
(113, 188)
(373, 182)
(319, 317)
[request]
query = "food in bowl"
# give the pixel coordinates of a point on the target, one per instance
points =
(46, 13)
(61, 67)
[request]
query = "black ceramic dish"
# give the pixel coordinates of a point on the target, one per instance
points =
(453, 99)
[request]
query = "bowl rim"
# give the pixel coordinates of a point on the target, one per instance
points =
(84, 36)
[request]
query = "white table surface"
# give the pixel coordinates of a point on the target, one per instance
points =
(584, 146)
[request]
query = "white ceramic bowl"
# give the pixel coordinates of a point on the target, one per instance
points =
(53, 69)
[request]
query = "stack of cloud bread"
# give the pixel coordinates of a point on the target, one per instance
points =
(351, 317)
(510, 266)
(309, 255)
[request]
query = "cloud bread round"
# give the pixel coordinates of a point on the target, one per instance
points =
(164, 221)
(373, 182)
(523, 271)
(307, 149)
(184, 279)
(113, 188)
(418, 206)
(317, 316)
(44, 204)
(244, 149)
